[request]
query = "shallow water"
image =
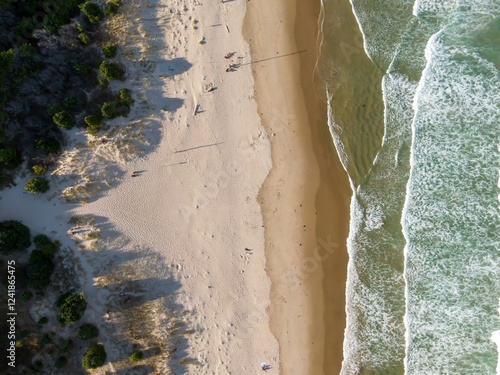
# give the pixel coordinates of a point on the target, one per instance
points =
(414, 108)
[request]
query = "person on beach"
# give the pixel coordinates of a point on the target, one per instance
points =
(265, 366)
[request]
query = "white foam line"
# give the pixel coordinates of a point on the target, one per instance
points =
(418, 92)
(358, 21)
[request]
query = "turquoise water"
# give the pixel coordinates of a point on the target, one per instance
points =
(423, 286)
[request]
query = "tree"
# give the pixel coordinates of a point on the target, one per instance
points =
(82, 69)
(93, 120)
(136, 356)
(37, 185)
(14, 236)
(64, 119)
(125, 97)
(45, 245)
(110, 70)
(87, 331)
(48, 144)
(94, 357)
(114, 109)
(9, 157)
(73, 308)
(39, 169)
(110, 50)
(92, 11)
(40, 270)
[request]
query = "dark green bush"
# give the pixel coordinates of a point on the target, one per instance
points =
(136, 356)
(40, 270)
(65, 346)
(87, 331)
(92, 11)
(110, 70)
(84, 38)
(48, 144)
(60, 362)
(111, 9)
(110, 50)
(125, 97)
(73, 308)
(82, 69)
(54, 109)
(14, 236)
(37, 185)
(9, 157)
(70, 102)
(39, 169)
(114, 109)
(93, 120)
(64, 119)
(26, 296)
(44, 244)
(94, 357)
(43, 320)
(45, 339)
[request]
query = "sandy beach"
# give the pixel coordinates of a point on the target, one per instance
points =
(234, 225)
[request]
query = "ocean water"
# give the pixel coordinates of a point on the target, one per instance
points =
(414, 111)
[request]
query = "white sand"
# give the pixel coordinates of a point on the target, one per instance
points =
(194, 204)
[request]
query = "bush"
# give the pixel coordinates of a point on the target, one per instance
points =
(87, 331)
(94, 357)
(84, 38)
(102, 82)
(114, 109)
(45, 245)
(39, 169)
(37, 185)
(40, 270)
(26, 296)
(73, 308)
(93, 131)
(92, 11)
(64, 119)
(125, 97)
(110, 50)
(45, 339)
(110, 70)
(54, 109)
(14, 236)
(9, 157)
(65, 347)
(136, 356)
(60, 362)
(48, 144)
(93, 120)
(43, 320)
(111, 9)
(82, 69)
(70, 102)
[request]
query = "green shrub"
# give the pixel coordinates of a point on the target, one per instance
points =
(136, 356)
(54, 109)
(84, 38)
(93, 120)
(70, 102)
(43, 320)
(125, 97)
(80, 27)
(110, 70)
(60, 362)
(110, 50)
(64, 119)
(82, 69)
(73, 308)
(114, 109)
(40, 270)
(26, 296)
(39, 169)
(111, 9)
(45, 245)
(94, 357)
(9, 157)
(92, 11)
(14, 236)
(48, 144)
(45, 339)
(87, 331)
(37, 185)
(102, 82)
(93, 131)
(65, 347)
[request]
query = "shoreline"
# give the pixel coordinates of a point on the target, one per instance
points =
(308, 279)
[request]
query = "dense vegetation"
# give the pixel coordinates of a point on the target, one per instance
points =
(94, 357)
(73, 308)
(87, 331)
(14, 236)
(53, 74)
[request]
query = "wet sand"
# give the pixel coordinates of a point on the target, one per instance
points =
(305, 199)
